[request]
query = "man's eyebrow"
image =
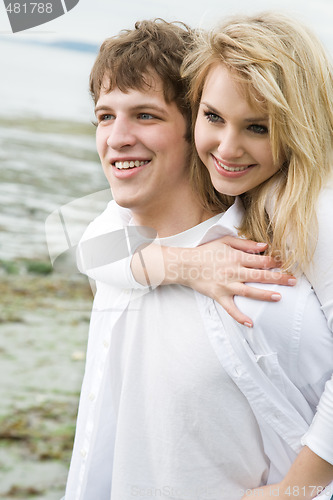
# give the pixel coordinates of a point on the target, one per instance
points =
(102, 107)
(138, 108)
(150, 106)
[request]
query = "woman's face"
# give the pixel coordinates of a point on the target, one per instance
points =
(231, 136)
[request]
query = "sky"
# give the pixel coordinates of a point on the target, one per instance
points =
(95, 20)
(57, 83)
(44, 82)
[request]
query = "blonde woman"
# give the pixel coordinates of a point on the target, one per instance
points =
(262, 95)
(261, 92)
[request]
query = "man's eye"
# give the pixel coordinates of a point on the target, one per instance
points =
(104, 118)
(146, 116)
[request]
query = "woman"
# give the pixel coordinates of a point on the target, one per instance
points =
(261, 94)
(262, 89)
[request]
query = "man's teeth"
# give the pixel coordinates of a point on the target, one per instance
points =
(232, 169)
(129, 164)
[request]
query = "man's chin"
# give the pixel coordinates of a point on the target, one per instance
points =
(123, 203)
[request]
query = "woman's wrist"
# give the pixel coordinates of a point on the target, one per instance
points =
(307, 477)
(176, 265)
(148, 265)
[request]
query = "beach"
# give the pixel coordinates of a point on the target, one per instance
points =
(44, 323)
(51, 187)
(48, 163)
(44, 315)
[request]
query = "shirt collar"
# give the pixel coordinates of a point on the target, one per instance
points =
(227, 223)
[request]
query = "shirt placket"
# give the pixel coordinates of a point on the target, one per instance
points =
(94, 392)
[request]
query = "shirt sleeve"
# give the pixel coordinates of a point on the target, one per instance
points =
(105, 250)
(319, 437)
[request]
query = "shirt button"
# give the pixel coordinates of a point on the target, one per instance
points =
(106, 344)
(83, 453)
(91, 396)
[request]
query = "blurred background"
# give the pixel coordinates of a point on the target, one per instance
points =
(48, 160)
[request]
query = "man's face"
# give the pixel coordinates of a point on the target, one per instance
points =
(141, 143)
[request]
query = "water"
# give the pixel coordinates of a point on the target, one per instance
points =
(47, 144)
(48, 160)
(44, 165)
(47, 149)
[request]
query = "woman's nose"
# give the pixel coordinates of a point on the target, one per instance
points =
(230, 144)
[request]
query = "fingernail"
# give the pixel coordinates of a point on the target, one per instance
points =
(276, 296)
(261, 244)
(292, 281)
(249, 325)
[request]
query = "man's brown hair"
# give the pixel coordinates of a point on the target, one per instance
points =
(153, 47)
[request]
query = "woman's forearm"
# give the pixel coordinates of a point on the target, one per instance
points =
(219, 269)
(308, 475)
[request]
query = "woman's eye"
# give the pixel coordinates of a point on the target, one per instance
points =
(258, 129)
(212, 117)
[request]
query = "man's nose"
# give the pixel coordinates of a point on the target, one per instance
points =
(121, 134)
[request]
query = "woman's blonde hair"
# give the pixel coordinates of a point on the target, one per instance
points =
(283, 69)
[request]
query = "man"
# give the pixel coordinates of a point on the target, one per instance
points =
(154, 417)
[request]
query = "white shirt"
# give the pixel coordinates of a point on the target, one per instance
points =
(279, 379)
(176, 436)
(153, 363)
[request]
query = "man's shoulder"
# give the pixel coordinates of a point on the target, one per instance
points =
(111, 219)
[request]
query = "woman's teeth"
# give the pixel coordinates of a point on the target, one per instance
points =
(129, 164)
(232, 169)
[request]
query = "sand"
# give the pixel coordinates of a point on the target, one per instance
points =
(44, 323)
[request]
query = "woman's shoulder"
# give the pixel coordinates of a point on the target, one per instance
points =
(325, 205)
(326, 192)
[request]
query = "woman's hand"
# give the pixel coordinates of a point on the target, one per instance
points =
(218, 269)
(221, 268)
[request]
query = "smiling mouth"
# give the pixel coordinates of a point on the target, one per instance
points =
(121, 165)
(233, 169)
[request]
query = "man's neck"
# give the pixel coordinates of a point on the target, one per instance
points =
(174, 219)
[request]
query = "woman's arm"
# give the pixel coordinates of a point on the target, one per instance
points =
(113, 252)
(218, 269)
(104, 252)
(320, 274)
(306, 479)
(313, 468)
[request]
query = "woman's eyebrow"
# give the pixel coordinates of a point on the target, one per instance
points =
(262, 118)
(210, 107)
